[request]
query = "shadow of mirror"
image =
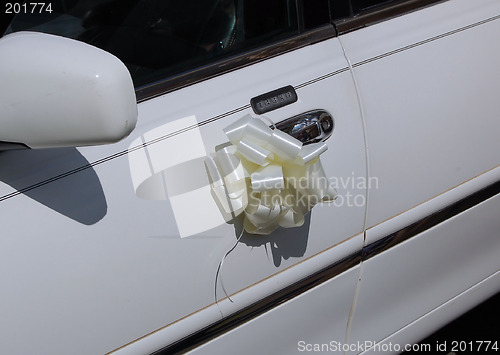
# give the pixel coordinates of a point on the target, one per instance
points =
(283, 242)
(60, 179)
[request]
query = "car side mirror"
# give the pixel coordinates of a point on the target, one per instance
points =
(59, 92)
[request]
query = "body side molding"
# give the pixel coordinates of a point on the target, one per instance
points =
(239, 318)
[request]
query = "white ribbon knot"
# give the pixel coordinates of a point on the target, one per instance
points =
(268, 175)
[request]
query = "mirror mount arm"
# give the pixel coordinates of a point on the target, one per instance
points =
(12, 146)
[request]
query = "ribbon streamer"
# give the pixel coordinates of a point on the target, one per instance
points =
(268, 175)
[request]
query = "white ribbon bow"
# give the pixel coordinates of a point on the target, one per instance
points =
(268, 175)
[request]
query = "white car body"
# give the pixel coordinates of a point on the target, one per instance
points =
(92, 263)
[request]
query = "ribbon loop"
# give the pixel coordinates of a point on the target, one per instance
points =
(254, 153)
(250, 128)
(268, 178)
(284, 145)
(268, 175)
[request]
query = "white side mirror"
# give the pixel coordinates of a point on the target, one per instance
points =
(59, 92)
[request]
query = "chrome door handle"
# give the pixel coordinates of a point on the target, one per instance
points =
(308, 127)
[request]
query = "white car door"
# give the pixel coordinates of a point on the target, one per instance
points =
(428, 84)
(122, 247)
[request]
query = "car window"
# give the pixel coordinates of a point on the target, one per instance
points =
(315, 12)
(160, 38)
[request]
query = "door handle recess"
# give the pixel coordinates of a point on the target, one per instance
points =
(308, 127)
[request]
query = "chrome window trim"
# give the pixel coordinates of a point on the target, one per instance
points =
(238, 61)
(211, 70)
